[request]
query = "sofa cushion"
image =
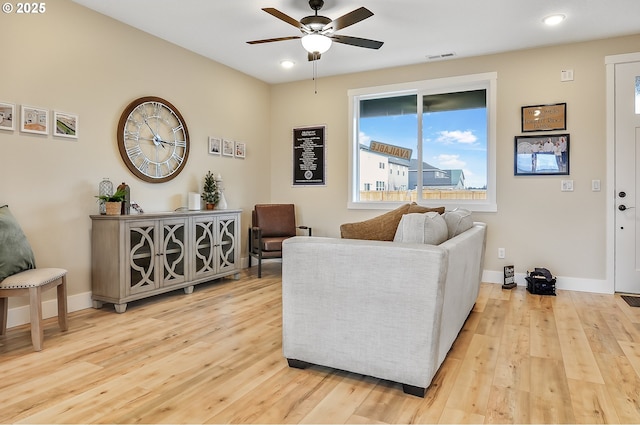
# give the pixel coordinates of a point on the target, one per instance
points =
(428, 228)
(458, 221)
(415, 208)
(15, 252)
(381, 228)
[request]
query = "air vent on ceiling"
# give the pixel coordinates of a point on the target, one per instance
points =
(441, 56)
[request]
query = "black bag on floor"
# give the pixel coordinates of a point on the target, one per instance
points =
(541, 282)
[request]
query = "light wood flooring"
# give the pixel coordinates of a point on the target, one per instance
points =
(214, 356)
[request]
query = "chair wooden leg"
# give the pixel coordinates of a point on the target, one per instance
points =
(4, 307)
(37, 333)
(62, 304)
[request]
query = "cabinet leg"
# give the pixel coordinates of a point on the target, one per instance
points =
(188, 289)
(96, 304)
(120, 308)
(236, 276)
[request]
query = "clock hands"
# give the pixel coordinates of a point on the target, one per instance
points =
(157, 140)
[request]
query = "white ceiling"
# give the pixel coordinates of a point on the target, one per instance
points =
(412, 30)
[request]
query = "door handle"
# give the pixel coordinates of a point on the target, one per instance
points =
(624, 207)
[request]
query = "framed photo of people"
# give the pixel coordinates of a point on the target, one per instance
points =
(541, 155)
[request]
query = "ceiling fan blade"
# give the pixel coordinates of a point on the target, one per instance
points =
(270, 40)
(355, 41)
(350, 18)
(286, 18)
(313, 56)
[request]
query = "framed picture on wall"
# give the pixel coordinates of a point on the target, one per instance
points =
(309, 156)
(65, 125)
(544, 117)
(227, 147)
(541, 155)
(215, 146)
(241, 149)
(34, 120)
(7, 114)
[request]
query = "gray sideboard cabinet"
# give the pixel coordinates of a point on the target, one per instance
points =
(138, 256)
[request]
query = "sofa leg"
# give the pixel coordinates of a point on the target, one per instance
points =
(298, 364)
(416, 391)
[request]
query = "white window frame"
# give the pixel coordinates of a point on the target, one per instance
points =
(487, 81)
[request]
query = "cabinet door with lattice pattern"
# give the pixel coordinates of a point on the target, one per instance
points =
(172, 255)
(227, 246)
(141, 272)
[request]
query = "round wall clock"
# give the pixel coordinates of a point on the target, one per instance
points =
(153, 139)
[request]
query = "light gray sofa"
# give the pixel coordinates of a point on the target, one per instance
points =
(384, 309)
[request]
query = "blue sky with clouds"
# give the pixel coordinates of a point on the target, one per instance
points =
(452, 139)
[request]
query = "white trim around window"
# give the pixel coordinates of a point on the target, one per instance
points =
(486, 81)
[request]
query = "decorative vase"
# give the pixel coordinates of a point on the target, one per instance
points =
(125, 209)
(113, 208)
(105, 188)
(222, 202)
(211, 206)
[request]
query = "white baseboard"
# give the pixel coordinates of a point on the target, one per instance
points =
(599, 286)
(21, 315)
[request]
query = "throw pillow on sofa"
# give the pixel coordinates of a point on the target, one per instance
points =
(15, 252)
(415, 208)
(458, 221)
(428, 228)
(381, 228)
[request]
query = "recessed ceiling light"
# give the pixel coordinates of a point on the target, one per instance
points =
(553, 19)
(287, 64)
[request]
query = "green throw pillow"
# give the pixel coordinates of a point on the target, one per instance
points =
(15, 252)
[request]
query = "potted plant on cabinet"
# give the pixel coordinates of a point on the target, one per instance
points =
(113, 203)
(210, 193)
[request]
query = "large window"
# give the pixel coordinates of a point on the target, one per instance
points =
(440, 133)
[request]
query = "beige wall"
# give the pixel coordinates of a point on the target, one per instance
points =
(74, 60)
(537, 224)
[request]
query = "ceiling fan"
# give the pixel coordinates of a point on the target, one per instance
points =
(319, 31)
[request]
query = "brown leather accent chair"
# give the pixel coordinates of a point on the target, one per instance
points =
(271, 224)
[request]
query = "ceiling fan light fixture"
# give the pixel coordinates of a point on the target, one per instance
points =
(316, 43)
(552, 20)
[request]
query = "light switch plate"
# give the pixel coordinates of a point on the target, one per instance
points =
(566, 75)
(567, 186)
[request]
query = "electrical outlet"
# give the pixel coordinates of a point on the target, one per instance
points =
(501, 253)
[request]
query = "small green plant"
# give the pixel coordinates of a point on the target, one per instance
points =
(210, 193)
(116, 197)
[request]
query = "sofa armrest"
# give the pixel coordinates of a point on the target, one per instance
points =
(370, 307)
(466, 259)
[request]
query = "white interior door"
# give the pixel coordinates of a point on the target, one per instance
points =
(627, 177)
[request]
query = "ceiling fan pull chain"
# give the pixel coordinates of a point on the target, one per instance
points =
(315, 76)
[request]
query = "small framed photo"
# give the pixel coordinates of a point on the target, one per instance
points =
(65, 125)
(215, 146)
(240, 150)
(34, 120)
(7, 114)
(227, 147)
(541, 155)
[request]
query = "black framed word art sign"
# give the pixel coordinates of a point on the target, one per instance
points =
(309, 154)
